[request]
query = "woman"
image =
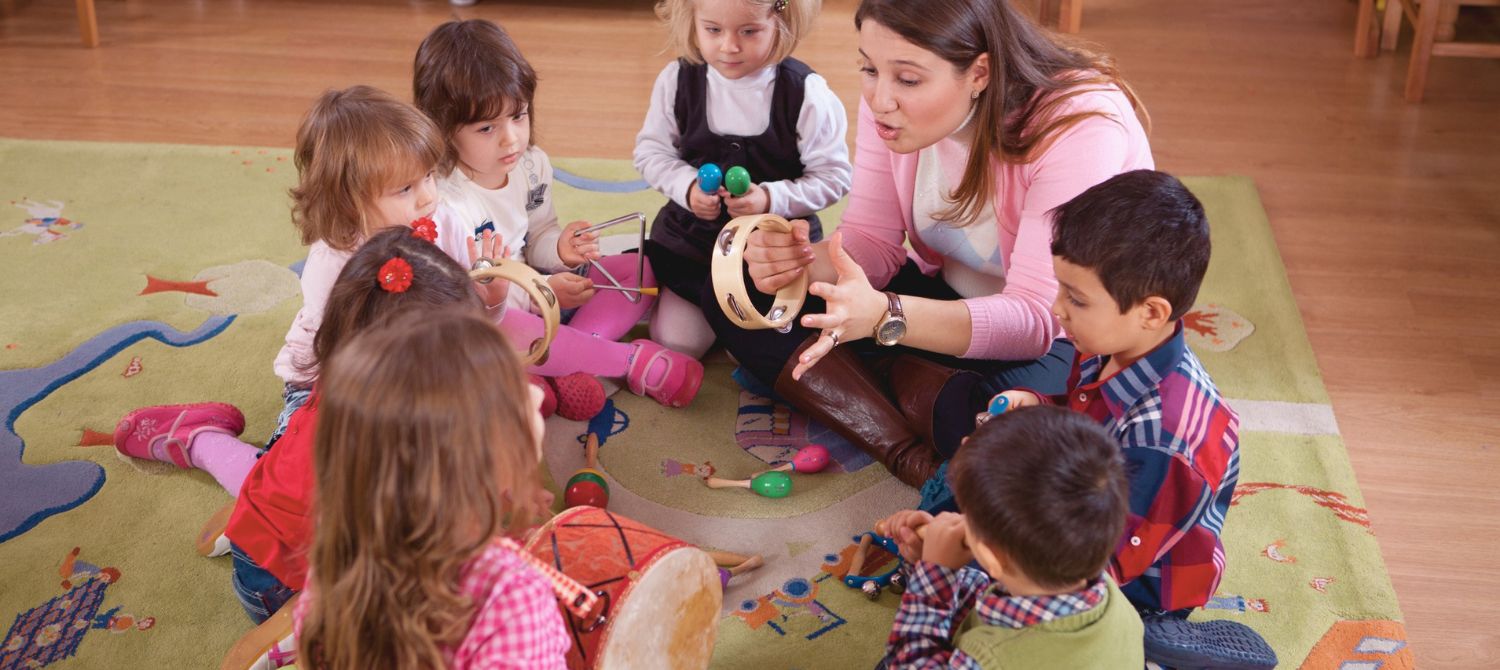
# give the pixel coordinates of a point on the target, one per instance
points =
(974, 123)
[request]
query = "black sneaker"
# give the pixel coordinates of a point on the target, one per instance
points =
(1206, 645)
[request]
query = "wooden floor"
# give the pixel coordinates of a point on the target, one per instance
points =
(1387, 214)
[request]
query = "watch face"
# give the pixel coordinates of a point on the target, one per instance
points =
(891, 331)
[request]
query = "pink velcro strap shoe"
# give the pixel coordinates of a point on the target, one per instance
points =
(175, 426)
(669, 377)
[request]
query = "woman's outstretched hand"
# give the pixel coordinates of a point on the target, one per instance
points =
(777, 259)
(854, 308)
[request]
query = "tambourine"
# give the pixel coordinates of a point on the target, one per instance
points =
(728, 272)
(521, 275)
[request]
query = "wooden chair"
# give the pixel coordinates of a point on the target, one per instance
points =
(1066, 16)
(1432, 21)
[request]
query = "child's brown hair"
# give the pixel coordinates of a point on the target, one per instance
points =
(1046, 487)
(357, 300)
(794, 20)
(471, 71)
(424, 453)
(351, 145)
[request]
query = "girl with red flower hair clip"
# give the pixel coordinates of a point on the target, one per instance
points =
(270, 529)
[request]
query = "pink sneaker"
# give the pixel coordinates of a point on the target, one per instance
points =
(579, 396)
(166, 432)
(668, 377)
(549, 397)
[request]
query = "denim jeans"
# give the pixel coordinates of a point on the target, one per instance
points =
(259, 591)
(292, 397)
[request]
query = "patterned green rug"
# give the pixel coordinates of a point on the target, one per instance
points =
(145, 274)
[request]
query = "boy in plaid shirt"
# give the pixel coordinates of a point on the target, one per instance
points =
(1044, 496)
(1130, 254)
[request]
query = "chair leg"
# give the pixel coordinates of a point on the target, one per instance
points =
(88, 23)
(1070, 16)
(1366, 40)
(1421, 49)
(1391, 31)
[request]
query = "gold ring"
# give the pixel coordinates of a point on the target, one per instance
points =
(727, 269)
(535, 285)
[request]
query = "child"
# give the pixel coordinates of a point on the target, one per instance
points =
(473, 81)
(1130, 254)
(734, 97)
(365, 162)
(269, 530)
(1044, 497)
(415, 490)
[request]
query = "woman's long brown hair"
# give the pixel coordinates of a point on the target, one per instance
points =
(1033, 72)
(424, 453)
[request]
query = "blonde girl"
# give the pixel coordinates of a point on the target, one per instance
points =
(733, 97)
(365, 161)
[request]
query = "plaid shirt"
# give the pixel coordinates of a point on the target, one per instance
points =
(937, 599)
(516, 620)
(1181, 446)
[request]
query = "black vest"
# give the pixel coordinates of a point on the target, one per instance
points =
(770, 156)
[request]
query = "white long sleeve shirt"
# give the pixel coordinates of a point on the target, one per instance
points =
(742, 107)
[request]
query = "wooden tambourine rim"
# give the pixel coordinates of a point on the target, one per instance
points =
(728, 271)
(521, 275)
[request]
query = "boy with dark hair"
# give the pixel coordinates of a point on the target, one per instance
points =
(1044, 497)
(1130, 254)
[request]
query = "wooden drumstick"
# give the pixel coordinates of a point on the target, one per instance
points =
(859, 555)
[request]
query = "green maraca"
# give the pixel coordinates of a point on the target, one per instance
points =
(737, 181)
(771, 484)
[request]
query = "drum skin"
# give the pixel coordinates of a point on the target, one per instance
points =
(664, 594)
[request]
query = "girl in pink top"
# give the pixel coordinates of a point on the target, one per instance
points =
(974, 123)
(427, 453)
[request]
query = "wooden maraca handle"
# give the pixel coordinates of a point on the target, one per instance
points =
(716, 483)
(591, 451)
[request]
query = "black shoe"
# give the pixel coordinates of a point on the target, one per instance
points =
(1206, 645)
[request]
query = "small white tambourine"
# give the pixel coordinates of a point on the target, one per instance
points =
(520, 275)
(728, 267)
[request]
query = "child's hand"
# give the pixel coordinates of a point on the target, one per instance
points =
(489, 246)
(572, 290)
(577, 250)
(945, 543)
(703, 205)
(1014, 399)
(755, 201)
(902, 527)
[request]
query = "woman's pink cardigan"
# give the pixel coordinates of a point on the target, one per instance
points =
(1017, 323)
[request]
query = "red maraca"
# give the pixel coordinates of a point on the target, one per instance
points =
(809, 459)
(587, 486)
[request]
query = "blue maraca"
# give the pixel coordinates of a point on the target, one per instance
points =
(710, 178)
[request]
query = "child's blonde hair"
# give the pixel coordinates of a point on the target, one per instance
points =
(794, 20)
(424, 453)
(352, 145)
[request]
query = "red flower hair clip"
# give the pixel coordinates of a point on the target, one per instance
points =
(424, 229)
(395, 275)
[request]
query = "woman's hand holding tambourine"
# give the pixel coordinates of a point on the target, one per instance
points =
(776, 259)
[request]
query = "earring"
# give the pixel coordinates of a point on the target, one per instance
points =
(973, 95)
